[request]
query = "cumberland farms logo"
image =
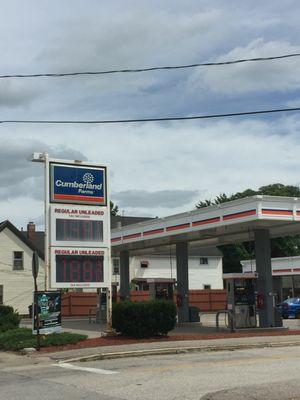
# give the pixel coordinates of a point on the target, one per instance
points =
(88, 177)
(78, 184)
(85, 188)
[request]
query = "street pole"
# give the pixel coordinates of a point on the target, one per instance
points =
(46, 202)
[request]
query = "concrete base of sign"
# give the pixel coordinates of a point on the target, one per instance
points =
(28, 350)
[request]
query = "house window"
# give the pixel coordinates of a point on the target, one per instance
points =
(144, 264)
(206, 287)
(18, 262)
(116, 266)
(1, 294)
(203, 260)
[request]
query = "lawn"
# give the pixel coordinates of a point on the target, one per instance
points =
(20, 338)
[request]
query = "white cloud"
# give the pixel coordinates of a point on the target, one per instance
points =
(268, 76)
(293, 103)
(15, 94)
(165, 199)
(21, 178)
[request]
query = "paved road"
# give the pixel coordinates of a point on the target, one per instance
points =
(270, 373)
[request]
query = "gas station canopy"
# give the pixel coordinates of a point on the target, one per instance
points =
(225, 223)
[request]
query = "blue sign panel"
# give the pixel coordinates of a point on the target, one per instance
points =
(78, 184)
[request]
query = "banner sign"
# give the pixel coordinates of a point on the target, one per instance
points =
(77, 184)
(48, 307)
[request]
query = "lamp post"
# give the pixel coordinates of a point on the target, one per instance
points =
(44, 158)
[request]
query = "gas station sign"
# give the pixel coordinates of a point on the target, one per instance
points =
(78, 225)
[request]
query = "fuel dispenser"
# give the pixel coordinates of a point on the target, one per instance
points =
(241, 291)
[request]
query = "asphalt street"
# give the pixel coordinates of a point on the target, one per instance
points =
(269, 373)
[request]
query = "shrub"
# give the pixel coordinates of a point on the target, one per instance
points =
(17, 339)
(58, 339)
(9, 319)
(144, 319)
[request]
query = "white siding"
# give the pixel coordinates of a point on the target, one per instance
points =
(280, 265)
(164, 267)
(18, 286)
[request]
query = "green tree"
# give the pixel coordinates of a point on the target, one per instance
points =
(204, 203)
(114, 209)
(280, 247)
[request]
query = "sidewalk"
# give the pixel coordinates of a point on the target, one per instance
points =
(170, 347)
(198, 337)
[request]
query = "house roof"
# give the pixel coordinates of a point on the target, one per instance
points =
(119, 220)
(37, 238)
(22, 236)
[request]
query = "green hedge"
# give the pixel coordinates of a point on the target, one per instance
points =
(9, 319)
(17, 339)
(144, 319)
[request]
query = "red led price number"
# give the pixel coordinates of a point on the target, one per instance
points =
(79, 230)
(83, 269)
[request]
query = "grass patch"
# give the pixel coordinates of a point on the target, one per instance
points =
(17, 339)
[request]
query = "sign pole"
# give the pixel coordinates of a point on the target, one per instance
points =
(35, 271)
(109, 288)
(47, 258)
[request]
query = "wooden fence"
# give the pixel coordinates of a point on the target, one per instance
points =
(79, 304)
(208, 300)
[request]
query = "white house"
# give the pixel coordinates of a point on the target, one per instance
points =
(16, 281)
(205, 269)
(286, 267)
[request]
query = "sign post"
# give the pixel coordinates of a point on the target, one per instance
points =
(35, 271)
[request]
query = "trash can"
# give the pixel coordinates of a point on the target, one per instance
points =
(194, 314)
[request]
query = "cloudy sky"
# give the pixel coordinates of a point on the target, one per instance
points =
(156, 169)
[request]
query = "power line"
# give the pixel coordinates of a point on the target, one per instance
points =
(147, 69)
(161, 119)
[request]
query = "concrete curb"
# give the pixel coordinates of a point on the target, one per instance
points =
(174, 350)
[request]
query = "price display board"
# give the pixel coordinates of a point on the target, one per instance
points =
(74, 226)
(79, 268)
(79, 230)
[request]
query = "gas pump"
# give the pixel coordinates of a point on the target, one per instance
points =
(241, 289)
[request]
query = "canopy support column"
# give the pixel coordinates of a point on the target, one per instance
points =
(182, 281)
(124, 275)
(265, 290)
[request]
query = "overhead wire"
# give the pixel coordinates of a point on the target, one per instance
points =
(148, 69)
(155, 119)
